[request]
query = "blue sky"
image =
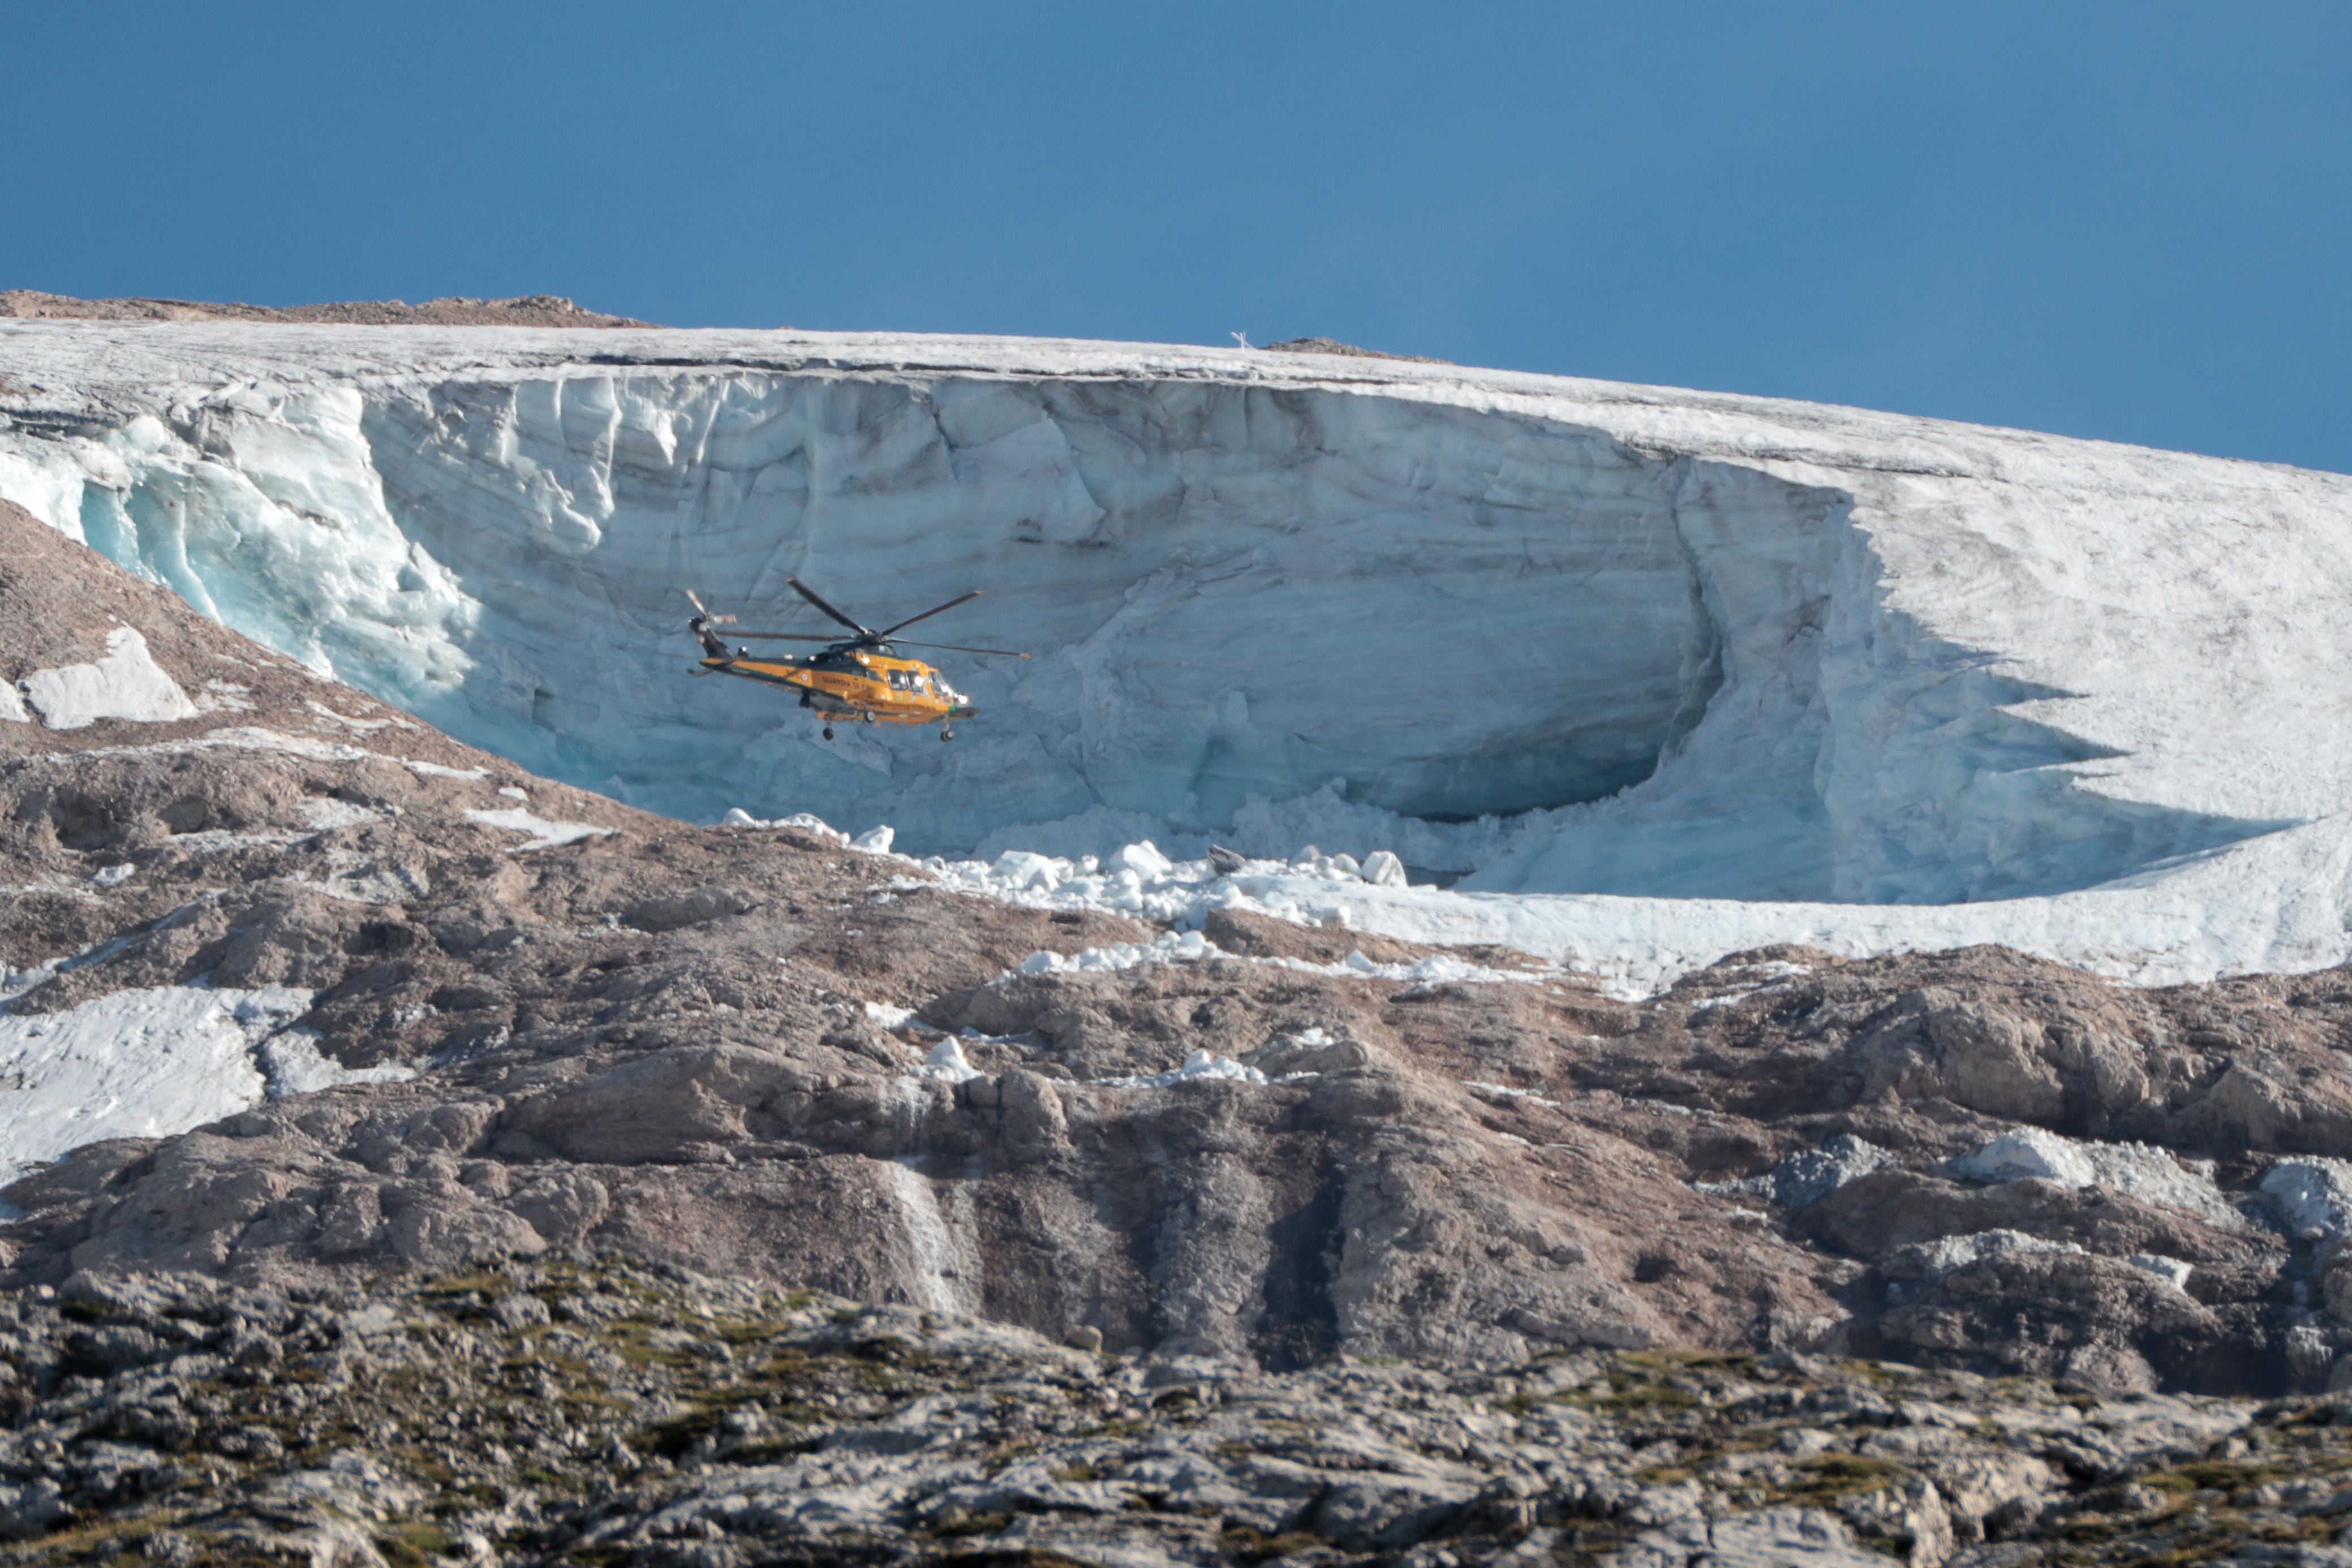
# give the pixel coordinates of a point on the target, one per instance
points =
(2118, 220)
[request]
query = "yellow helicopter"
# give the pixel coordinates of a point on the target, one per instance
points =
(860, 677)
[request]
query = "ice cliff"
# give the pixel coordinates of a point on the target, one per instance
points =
(1729, 670)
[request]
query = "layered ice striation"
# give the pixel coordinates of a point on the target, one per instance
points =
(1546, 636)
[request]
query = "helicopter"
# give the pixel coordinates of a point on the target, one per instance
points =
(860, 677)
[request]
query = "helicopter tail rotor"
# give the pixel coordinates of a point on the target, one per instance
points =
(701, 623)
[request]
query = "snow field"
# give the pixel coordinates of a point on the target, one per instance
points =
(148, 1063)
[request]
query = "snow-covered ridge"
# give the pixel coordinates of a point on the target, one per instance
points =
(1768, 660)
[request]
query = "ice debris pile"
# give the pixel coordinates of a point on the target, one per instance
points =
(1139, 880)
(1679, 672)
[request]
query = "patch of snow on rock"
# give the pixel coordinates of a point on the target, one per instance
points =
(872, 842)
(2173, 1271)
(140, 1064)
(889, 1017)
(292, 1064)
(2136, 1170)
(1506, 1091)
(242, 737)
(2313, 1195)
(323, 711)
(125, 683)
(1199, 1065)
(225, 697)
(325, 813)
(1946, 1253)
(12, 705)
(544, 834)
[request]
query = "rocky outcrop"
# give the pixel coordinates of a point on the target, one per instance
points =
(569, 1413)
(489, 1016)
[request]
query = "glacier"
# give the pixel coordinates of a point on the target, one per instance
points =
(1645, 674)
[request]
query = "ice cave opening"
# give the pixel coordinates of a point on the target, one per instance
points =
(1504, 646)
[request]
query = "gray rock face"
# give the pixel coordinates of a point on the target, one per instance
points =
(757, 1053)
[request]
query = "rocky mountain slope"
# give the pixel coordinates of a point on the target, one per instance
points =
(757, 1052)
(597, 1413)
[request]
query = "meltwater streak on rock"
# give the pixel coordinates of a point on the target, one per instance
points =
(1818, 654)
(941, 1235)
(939, 1225)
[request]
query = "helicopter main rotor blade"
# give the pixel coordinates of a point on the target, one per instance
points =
(792, 636)
(803, 589)
(926, 615)
(958, 648)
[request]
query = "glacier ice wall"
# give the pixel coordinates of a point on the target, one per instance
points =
(1556, 636)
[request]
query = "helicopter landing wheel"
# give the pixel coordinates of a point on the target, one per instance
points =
(866, 718)
(828, 732)
(947, 735)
